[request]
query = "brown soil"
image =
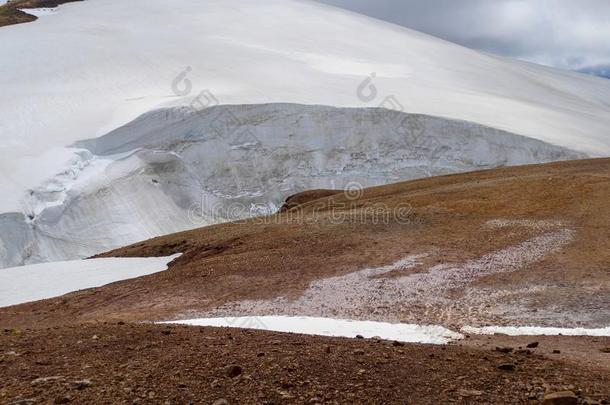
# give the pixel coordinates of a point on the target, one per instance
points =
(129, 363)
(283, 254)
(303, 198)
(11, 15)
(81, 341)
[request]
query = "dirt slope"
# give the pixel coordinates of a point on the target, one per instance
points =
(483, 225)
(527, 245)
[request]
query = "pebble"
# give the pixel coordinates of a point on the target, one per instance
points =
(533, 345)
(507, 367)
(80, 384)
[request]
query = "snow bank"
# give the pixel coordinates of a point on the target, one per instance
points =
(41, 281)
(334, 327)
(535, 331)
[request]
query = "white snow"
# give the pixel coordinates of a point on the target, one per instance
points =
(410, 333)
(536, 331)
(334, 327)
(39, 12)
(98, 64)
(41, 281)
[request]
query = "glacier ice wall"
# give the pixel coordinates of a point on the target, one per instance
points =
(179, 168)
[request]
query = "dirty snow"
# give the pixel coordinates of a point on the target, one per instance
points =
(525, 223)
(39, 12)
(334, 327)
(41, 281)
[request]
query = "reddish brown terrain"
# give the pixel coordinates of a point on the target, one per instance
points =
(129, 363)
(10, 13)
(514, 246)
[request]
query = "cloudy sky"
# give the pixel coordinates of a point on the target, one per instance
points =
(564, 33)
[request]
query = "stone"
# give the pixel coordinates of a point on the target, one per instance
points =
(469, 393)
(233, 371)
(533, 345)
(80, 384)
(560, 398)
(43, 380)
(507, 367)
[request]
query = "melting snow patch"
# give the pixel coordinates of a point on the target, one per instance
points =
(39, 12)
(41, 281)
(334, 327)
(534, 330)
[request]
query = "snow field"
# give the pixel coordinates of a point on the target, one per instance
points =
(19, 285)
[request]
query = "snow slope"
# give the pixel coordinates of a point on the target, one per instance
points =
(95, 66)
(99, 64)
(41, 281)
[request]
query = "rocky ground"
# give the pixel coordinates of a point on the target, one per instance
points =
(139, 363)
(515, 246)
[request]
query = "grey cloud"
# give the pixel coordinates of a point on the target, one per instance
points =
(563, 33)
